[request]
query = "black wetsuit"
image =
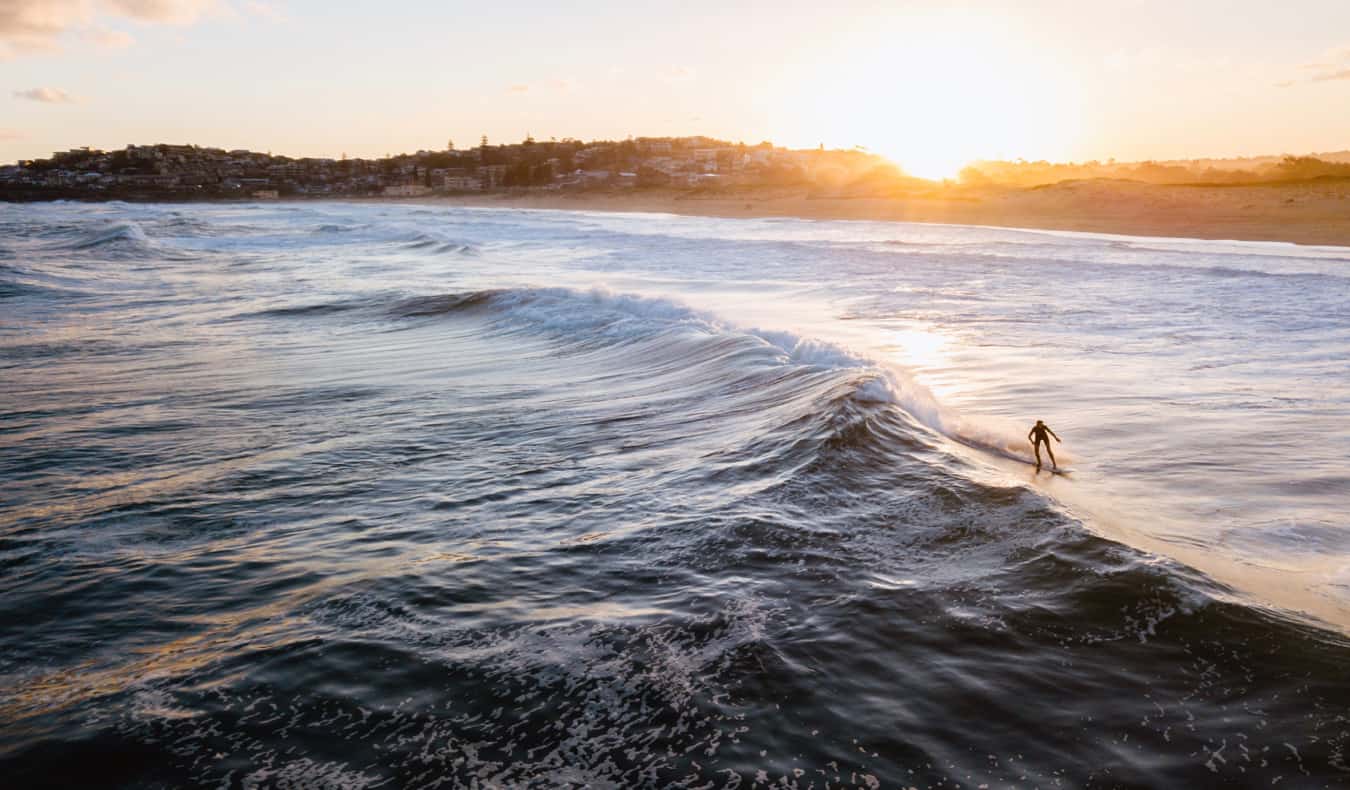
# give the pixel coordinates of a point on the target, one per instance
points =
(1042, 433)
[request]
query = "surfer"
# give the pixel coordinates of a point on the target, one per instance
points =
(1036, 436)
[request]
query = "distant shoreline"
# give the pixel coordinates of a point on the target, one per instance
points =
(1304, 213)
(1315, 212)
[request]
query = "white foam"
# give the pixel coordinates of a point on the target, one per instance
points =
(604, 312)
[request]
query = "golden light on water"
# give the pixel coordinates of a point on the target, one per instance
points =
(918, 348)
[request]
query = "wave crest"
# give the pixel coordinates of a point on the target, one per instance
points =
(124, 233)
(603, 316)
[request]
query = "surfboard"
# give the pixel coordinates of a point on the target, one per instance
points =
(1002, 452)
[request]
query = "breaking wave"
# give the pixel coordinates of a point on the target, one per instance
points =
(127, 234)
(583, 318)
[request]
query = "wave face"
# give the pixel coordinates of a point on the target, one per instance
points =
(644, 501)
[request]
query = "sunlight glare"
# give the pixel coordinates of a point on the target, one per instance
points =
(933, 93)
(919, 348)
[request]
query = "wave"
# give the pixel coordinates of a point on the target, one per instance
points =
(655, 332)
(438, 245)
(176, 223)
(422, 306)
(601, 316)
(300, 311)
(123, 239)
(123, 233)
(23, 283)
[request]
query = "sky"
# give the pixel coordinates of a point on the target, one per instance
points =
(930, 85)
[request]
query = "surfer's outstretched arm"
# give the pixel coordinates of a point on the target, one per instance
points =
(1052, 433)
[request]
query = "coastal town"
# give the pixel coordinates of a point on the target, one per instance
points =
(190, 172)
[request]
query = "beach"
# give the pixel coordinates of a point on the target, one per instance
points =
(1316, 212)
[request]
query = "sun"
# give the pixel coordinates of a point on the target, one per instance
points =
(935, 92)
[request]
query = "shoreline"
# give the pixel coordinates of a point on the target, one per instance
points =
(1314, 213)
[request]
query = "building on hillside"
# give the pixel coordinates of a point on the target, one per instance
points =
(74, 153)
(462, 183)
(407, 190)
(492, 176)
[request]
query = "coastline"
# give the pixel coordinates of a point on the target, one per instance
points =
(1309, 213)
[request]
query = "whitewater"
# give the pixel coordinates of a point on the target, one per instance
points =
(375, 494)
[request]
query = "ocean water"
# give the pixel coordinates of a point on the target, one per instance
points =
(376, 495)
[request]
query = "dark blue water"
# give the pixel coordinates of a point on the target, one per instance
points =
(337, 495)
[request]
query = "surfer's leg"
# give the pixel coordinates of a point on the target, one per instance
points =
(1037, 447)
(1053, 465)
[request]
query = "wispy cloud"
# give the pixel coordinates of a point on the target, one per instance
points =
(1332, 66)
(30, 27)
(1331, 76)
(261, 10)
(553, 85)
(45, 95)
(107, 38)
(10, 134)
(174, 11)
(678, 74)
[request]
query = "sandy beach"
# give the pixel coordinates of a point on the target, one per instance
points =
(1303, 213)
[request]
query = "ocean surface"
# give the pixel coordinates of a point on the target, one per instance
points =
(394, 495)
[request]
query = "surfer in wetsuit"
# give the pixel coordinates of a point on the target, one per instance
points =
(1038, 435)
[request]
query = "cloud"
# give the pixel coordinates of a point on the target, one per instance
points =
(556, 85)
(45, 95)
(1332, 66)
(174, 11)
(1331, 76)
(678, 74)
(10, 134)
(261, 10)
(106, 38)
(30, 27)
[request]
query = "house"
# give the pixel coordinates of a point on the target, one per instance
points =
(462, 183)
(492, 175)
(407, 190)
